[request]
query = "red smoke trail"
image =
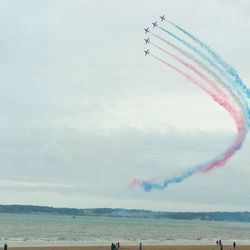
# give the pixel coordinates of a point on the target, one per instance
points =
(224, 99)
(221, 98)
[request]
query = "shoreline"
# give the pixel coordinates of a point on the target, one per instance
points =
(85, 246)
(135, 247)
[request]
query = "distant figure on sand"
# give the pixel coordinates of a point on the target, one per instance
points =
(221, 247)
(5, 246)
(140, 247)
(217, 242)
(234, 244)
(118, 245)
(113, 246)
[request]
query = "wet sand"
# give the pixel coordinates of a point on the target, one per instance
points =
(145, 247)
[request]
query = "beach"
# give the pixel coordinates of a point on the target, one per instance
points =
(135, 247)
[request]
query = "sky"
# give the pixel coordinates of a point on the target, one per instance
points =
(83, 111)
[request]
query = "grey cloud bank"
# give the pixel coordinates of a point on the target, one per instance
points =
(83, 112)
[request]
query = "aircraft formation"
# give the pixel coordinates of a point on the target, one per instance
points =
(196, 62)
(147, 30)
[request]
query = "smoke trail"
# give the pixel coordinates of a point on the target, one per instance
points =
(230, 93)
(242, 101)
(218, 59)
(198, 62)
(223, 71)
(224, 100)
(212, 64)
(197, 51)
(220, 160)
(218, 91)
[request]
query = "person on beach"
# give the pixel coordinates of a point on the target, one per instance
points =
(140, 246)
(5, 246)
(234, 245)
(113, 246)
(118, 245)
(217, 242)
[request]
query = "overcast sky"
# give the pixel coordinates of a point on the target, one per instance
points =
(83, 111)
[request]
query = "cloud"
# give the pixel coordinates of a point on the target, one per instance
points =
(24, 186)
(83, 112)
(71, 148)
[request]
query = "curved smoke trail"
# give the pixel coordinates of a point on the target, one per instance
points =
(222, 71)
(218, 59)
(201, 65)
(224, 100)
(229, 91)
(220, 160)
(215, 89)
(231, 95)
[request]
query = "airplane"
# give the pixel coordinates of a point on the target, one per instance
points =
(146, 30)
(154, 24)
(163, 18)
(146, 52)
(146, 40)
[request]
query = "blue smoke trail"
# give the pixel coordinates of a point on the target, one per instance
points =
(211, 63)
(218, 59)
(202, 65)
(220, 160)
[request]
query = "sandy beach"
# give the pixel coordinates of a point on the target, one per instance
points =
(145, 247)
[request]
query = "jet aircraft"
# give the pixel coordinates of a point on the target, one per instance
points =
(146, 30)
(146, 40)
(154, 24)
(162, 18)
(146, 52)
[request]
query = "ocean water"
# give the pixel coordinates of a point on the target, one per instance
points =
(49, 230)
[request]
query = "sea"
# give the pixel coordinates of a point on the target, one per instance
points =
(60, 230)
